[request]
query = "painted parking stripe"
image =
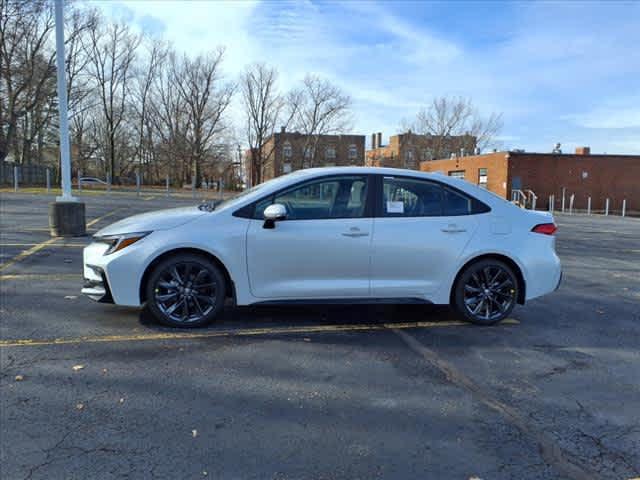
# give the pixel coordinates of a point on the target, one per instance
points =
(235, 333)
(36, 248)
(2, 245)
(40, 276)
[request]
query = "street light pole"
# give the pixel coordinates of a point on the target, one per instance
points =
(65, 164)
(66, 214)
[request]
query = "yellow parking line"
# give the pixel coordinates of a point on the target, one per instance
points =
(41, 276)
(96, 220)
(235, 333)
(34, 244)
(27, 253)
(40, 246)
(149, 198)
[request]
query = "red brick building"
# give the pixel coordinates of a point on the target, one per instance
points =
(599, 176)
(407, 150)
(288, 151)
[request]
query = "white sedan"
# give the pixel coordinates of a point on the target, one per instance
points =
(330, 235)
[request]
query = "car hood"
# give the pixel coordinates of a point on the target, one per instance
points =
(158, 220)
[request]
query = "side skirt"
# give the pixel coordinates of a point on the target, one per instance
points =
(348, 301)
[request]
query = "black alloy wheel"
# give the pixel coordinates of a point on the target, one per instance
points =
(186, 291)
(486, 292)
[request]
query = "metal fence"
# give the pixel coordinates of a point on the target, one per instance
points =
(570, 204)
(32, 175)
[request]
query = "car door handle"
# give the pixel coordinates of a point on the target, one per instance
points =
(453, 229)
(355, 232)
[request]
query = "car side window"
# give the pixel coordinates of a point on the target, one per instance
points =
(408, 197)
(456, 203)
(334, 197)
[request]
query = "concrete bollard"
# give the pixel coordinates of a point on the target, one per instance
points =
(571, 198)
(193, 186)
(563, 192)
(79, 180)
(48, 176)
(108, 183)
(606, 207)
(167, 185)
(138, 184)
(15, 178)
(624, 207)
(589, 206)
(67, 219)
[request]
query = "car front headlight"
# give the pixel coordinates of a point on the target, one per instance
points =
(118, 242)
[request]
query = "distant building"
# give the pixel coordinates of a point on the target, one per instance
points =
(288, 151)
(582, 174)
(407, 150)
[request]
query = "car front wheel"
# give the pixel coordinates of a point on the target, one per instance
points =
(486, 292)
(186, 291)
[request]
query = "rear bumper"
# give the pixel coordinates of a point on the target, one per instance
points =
(559, 281)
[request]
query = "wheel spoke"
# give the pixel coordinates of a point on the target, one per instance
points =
(185, 310)
(167, 296)
(200, 276)
(176, 276)
(471, 289)
(173, 307)
(167, 285)
(198, 306)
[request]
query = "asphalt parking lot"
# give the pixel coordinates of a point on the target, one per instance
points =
(97, 391)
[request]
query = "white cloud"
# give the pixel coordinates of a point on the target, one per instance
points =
(551, 63)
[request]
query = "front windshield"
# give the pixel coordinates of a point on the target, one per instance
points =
(217, 205)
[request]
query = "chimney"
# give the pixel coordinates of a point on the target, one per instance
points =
(373, 141)
(583, 151)
(379, 139)
(283, 129)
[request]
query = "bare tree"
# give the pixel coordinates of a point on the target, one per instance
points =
(27, 71)
(263, 109)
(112, 51)
(446, 117)
(206, 98)
(156, 55)
(319, 108)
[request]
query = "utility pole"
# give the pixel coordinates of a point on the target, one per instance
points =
(66, 214)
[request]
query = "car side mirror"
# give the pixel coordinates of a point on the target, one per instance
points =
(273, 213)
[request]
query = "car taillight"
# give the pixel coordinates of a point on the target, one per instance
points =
(545, 228)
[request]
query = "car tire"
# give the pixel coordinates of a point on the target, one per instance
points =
(486, 292)
(186, 291)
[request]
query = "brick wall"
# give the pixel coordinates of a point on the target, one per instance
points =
(276, 161)
(599, 176)
(495, 163)
(616, 177)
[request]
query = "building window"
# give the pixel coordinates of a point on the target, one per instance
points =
(308, 152)
(409, 159)
(330, 153)
(286, 150)
(353, 152)
(426, 154)
(482, 177)
(286, 167)
(457, 174)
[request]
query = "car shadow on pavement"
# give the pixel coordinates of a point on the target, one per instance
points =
(313, 315)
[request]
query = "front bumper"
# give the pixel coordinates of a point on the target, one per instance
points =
(97, 289)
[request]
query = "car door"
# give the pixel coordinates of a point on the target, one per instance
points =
(419, 236)
(321, 249)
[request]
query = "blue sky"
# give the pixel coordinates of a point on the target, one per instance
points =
(564, 72)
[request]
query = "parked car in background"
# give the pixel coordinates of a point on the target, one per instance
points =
(334, 235)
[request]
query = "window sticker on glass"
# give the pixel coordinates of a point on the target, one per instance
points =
(395, 207)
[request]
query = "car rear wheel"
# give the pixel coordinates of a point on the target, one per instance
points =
(486, 292)
(186, 291)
